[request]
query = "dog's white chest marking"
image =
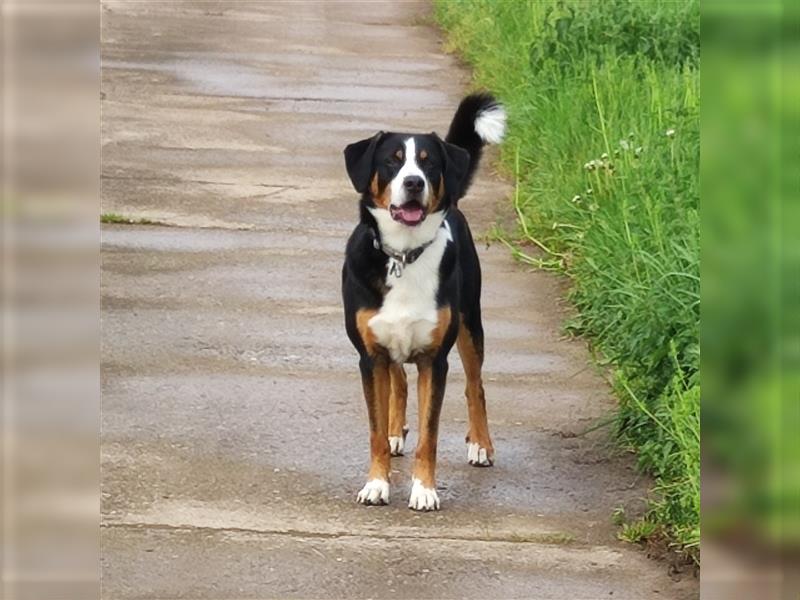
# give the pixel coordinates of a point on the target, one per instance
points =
(406, 321)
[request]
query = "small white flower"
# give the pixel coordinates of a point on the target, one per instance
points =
(589, 191)
(576, 198)
(604, 156)
(624, 144)
(669, 132)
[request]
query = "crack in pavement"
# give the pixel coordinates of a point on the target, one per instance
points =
(537, 539)
(201, 181)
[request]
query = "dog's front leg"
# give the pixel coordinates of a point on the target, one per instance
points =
(430, 388)
(376, 383)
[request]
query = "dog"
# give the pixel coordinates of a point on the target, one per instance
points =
(411, 286)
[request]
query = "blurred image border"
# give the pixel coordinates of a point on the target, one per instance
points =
(50, 288)
(749, 297)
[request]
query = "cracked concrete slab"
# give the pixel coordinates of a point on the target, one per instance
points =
(234, 434)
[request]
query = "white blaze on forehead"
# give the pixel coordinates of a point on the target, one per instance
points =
(409, 168)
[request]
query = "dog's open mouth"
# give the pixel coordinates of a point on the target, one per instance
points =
(411, 213)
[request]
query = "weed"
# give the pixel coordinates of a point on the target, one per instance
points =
(603, 145)
(114, 218)
(638, 531)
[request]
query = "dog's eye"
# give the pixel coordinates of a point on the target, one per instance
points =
(423, 156)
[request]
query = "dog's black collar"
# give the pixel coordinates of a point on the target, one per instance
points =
(400, 259)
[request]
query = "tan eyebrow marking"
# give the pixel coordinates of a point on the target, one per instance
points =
(399, 154)
(423, 155)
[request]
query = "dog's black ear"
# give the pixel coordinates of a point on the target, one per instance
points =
(358, 160)
(456, 167)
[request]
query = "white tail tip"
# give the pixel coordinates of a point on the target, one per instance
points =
(490, 125)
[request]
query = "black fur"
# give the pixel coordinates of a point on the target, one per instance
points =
(462, 130)
(358, 158)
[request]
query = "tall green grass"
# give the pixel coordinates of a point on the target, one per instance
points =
(604, 144)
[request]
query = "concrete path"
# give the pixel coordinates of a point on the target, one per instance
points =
(234, 432)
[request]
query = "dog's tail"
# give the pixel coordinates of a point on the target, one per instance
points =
(479, 120)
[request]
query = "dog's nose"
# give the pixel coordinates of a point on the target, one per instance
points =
(414, 184)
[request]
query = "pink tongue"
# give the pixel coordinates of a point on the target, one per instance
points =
(410, 213)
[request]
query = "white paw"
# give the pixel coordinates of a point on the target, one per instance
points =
(397, 445)
(374, 493)
(478, 456)
(423, 498)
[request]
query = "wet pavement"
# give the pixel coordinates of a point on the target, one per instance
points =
(234, 433)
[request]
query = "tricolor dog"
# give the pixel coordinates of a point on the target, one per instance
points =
(411, 285)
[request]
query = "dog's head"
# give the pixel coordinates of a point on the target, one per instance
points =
(410, 176)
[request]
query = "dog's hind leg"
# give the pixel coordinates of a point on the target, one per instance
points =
(480, 451)
(398, 430)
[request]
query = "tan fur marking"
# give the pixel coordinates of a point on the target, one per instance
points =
(423, 154)
(436, 197)
(362, 324)
(440, 330)
(397, 400)
(425, 457)
(379, 438)
(382, 199)
(476, 400)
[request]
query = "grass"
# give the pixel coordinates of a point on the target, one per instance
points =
(555, 538)
(123, 220)
(603, 144)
